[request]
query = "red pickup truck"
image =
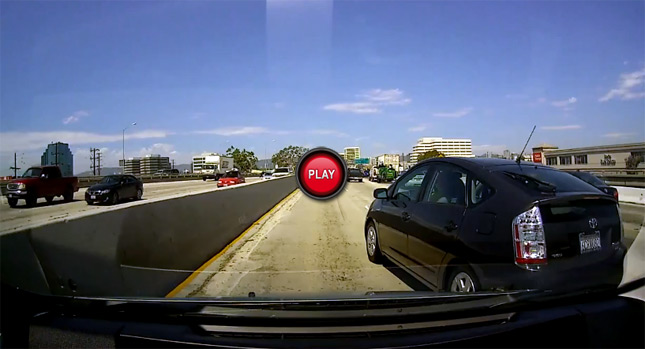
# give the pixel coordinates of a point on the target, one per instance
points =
(41, 182)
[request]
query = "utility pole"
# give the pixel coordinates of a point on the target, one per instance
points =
(99, 161)
(93, 159)
(173, 164)
(15, 167)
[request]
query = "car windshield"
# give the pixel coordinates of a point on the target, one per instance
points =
(541, 178)
(111, 179)
(32, 172)
(389, 131)
(589, 178)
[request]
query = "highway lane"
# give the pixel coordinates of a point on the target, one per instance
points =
(308, 246)
(21, 216)
(305, 247)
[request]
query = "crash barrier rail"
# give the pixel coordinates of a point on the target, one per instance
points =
(84, 182)
(144, 249)
(631, 195)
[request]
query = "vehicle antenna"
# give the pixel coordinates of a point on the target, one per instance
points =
(527, 143)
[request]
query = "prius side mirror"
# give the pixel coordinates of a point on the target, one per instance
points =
(380, 193)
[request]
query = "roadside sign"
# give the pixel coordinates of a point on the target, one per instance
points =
(362, 161)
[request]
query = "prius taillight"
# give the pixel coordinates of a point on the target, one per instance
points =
(529, 239)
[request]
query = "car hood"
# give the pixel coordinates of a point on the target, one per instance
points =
(103, 186)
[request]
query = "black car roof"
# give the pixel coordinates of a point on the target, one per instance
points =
(488, 163)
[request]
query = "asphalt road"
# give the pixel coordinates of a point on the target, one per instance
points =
(304, 247)
(317, 247)
(22, 216)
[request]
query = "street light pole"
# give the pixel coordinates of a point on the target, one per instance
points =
(133, 124)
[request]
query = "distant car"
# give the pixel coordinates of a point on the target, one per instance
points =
(230, 178)
(596, 182)
(354, 175)
(281, 172)
(39, 182)
(266, 175)
(467, 225)
(113, 189)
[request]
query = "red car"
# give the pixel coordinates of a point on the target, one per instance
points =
(230, 178)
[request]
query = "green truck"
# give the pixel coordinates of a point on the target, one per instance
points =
(382, 174)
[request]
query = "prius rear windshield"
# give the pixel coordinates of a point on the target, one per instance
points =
(546, 179)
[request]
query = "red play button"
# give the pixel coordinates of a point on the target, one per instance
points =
(321, 173)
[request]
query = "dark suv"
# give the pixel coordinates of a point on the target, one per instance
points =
(465, 225)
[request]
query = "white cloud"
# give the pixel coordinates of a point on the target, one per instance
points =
(455, 114)
(371, 102)
(362, 138)
(385, 97)
(235, 131)
(493, 148)
(618, 134)
(38, 140)
(328, 133)
(356, 108)
(418, 128)
(630, 86)
(75, 117)
(565, 103)
(561, 128)
(157, 148)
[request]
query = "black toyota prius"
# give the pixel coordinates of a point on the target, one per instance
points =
(466, 225)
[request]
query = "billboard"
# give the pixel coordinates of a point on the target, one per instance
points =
(362, 161)
(537, 157)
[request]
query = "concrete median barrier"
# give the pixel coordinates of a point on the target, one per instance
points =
(631, 195)
(142, 250)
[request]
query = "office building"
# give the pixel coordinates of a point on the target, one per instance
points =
(152, 163)
(132, 166)
(59, 154)
(350, 154)
(389, 159)
(599, 157)
(455, 147)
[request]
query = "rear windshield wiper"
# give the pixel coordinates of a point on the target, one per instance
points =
(541, 185)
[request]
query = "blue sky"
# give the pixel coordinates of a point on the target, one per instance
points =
(201, 75)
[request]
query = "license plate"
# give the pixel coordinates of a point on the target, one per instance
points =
(9, 196)
(589, 242)
(93, 197)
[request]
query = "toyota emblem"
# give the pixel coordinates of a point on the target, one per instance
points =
(593, 223)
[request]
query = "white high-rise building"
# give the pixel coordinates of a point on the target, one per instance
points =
(351, 153)
(456, 147)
